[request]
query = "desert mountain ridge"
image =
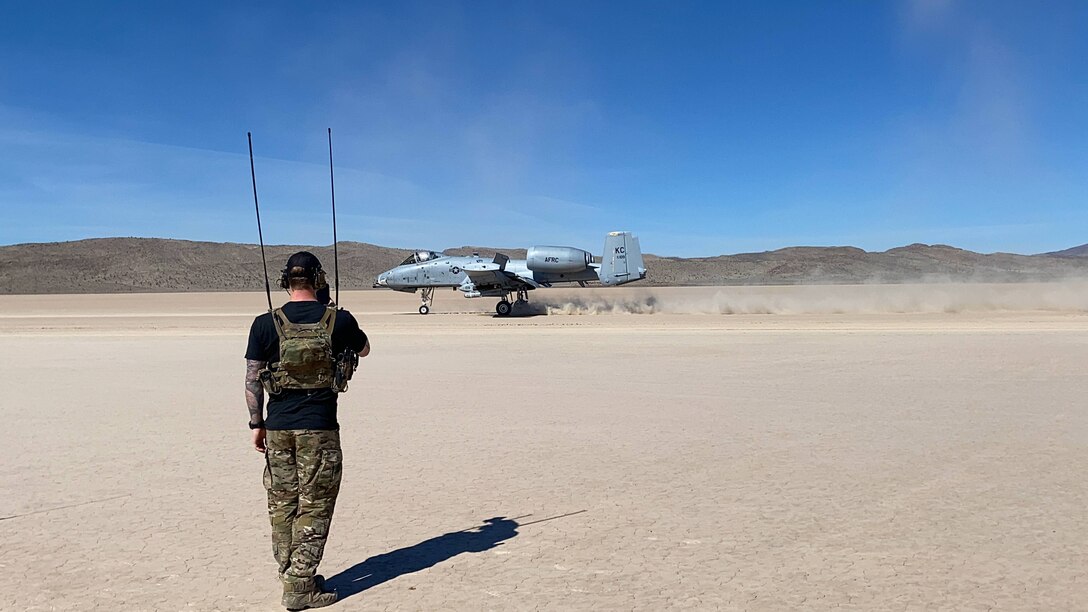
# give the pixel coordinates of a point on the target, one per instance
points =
(118, 265)
(1077, 251)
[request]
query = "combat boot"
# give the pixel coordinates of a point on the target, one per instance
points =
(306, 594)
(319, 580)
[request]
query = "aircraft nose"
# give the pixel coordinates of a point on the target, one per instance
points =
(381, 282)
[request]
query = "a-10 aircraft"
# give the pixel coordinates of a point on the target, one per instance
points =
(543, 266)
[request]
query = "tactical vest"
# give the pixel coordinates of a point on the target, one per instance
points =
(306, 358)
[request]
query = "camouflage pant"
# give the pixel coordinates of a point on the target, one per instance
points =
(302, 478)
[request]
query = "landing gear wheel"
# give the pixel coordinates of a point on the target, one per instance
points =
(426, 296)
(503, 308)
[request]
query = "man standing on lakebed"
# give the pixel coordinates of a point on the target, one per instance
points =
(302, 354)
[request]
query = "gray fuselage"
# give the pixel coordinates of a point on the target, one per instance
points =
(438, 270)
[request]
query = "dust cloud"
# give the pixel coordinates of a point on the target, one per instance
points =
(1069, 296)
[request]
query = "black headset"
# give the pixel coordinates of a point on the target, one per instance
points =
(317, 279)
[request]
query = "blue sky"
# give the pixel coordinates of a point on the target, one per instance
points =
(706, 127)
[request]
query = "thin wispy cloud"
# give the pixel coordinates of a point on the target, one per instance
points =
(114, 186)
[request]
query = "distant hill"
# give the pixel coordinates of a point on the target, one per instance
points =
(913, 263)
(1077, 251)
(114, 265)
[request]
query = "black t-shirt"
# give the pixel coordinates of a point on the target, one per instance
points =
(302, 408)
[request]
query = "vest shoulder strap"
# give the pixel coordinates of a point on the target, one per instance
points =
(277, 322)
(329, 319)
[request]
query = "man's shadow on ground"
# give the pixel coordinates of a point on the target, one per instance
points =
(387, 566)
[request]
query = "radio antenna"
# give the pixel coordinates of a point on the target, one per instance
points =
(260, 235)
(335, 257)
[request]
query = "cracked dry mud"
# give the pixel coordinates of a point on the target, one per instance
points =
(862, 461)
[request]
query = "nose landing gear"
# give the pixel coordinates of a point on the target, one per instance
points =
(426, 296)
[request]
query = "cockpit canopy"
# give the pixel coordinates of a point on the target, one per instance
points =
(420, 257)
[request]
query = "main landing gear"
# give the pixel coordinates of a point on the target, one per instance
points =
(427, 296)
(504, 307)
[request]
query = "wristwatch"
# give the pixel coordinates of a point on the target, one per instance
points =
(256, 425)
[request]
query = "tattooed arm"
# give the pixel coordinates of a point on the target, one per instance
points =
(255, 400)
(255, 390)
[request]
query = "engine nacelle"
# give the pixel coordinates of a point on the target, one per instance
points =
(557, 259)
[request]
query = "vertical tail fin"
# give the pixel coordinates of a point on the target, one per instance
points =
(621, 261)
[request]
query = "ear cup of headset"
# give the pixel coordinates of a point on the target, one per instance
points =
(284, 282)
(319, 280)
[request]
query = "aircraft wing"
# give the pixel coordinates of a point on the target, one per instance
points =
(482, 267)
(490, 275)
